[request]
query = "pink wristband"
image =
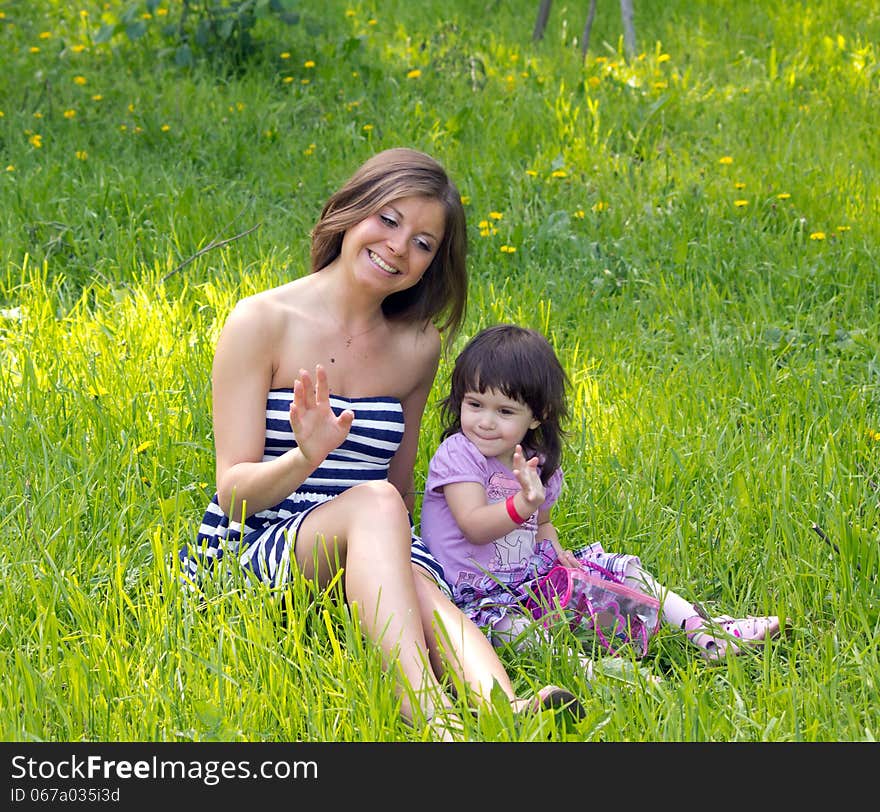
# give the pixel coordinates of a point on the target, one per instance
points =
(512, 512)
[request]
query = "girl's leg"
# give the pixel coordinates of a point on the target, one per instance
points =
(367, 529)
(715, 636)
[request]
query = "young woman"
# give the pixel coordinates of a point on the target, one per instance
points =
(318, 391)
(486, 514)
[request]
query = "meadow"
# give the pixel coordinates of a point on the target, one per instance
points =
(695, 226)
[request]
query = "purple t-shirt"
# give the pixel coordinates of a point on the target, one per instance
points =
(458, 460)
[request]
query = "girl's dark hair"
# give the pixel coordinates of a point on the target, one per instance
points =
(389, 176)
(520, 363)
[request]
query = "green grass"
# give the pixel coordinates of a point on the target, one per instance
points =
(696, 229)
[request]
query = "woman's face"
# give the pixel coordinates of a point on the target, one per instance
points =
(393, 248)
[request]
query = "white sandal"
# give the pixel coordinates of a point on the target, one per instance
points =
(719, 636)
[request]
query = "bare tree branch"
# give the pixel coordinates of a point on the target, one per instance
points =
(209, 247)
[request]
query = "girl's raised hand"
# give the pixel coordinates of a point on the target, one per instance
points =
(316, 428)
(526, 473)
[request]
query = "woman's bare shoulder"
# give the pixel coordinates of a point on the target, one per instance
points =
(264, 311)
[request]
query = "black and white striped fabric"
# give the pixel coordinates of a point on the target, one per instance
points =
(263, 543)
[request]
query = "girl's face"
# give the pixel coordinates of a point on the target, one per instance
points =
(495, 423)
(393, 248)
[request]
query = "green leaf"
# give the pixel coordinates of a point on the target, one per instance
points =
(136, 30)
(105, 33)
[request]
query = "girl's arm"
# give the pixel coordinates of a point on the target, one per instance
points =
(482, 522)
(547, 530)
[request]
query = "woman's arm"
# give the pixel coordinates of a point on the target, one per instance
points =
(402, 467)
(242, 378)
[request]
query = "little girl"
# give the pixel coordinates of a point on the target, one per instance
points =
(493, 481)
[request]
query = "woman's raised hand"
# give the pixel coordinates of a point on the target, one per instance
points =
(316, 428)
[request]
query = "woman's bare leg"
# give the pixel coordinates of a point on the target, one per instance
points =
(367, 528)
(456, 642)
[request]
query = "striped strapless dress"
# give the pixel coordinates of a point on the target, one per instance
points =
(263, 543)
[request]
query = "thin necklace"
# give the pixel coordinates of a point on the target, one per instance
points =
(351, 337)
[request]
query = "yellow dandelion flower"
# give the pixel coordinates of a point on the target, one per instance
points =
(97, 391)
(495, 215)
(70, 114)
(36, 140)
(81, 154)
(349, 12)
(309, 63)
(739, 185)
(83, 13)
(559, 173)
(165, 128)
(843, 228)
(78, 49)
(305, 81)
(414, 74)
(660, 85)
(287, 80)
(465, 199)
(580, 214)
(783, 196)
(531, 173)
(285, 55)
(372, 22)
(38, 115)
(79, 80)
(599, 205)
(726, 160)
(508, 249)
(10, 167)
(97, 97)
(34, 49)
(740, 204)
(817, 235)
(146, 16)
(484, 232)
(123, 128)
(45, 34)
(367, 128)
(143, 446)
(663, 58)
(483, 224)
(161, 12)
